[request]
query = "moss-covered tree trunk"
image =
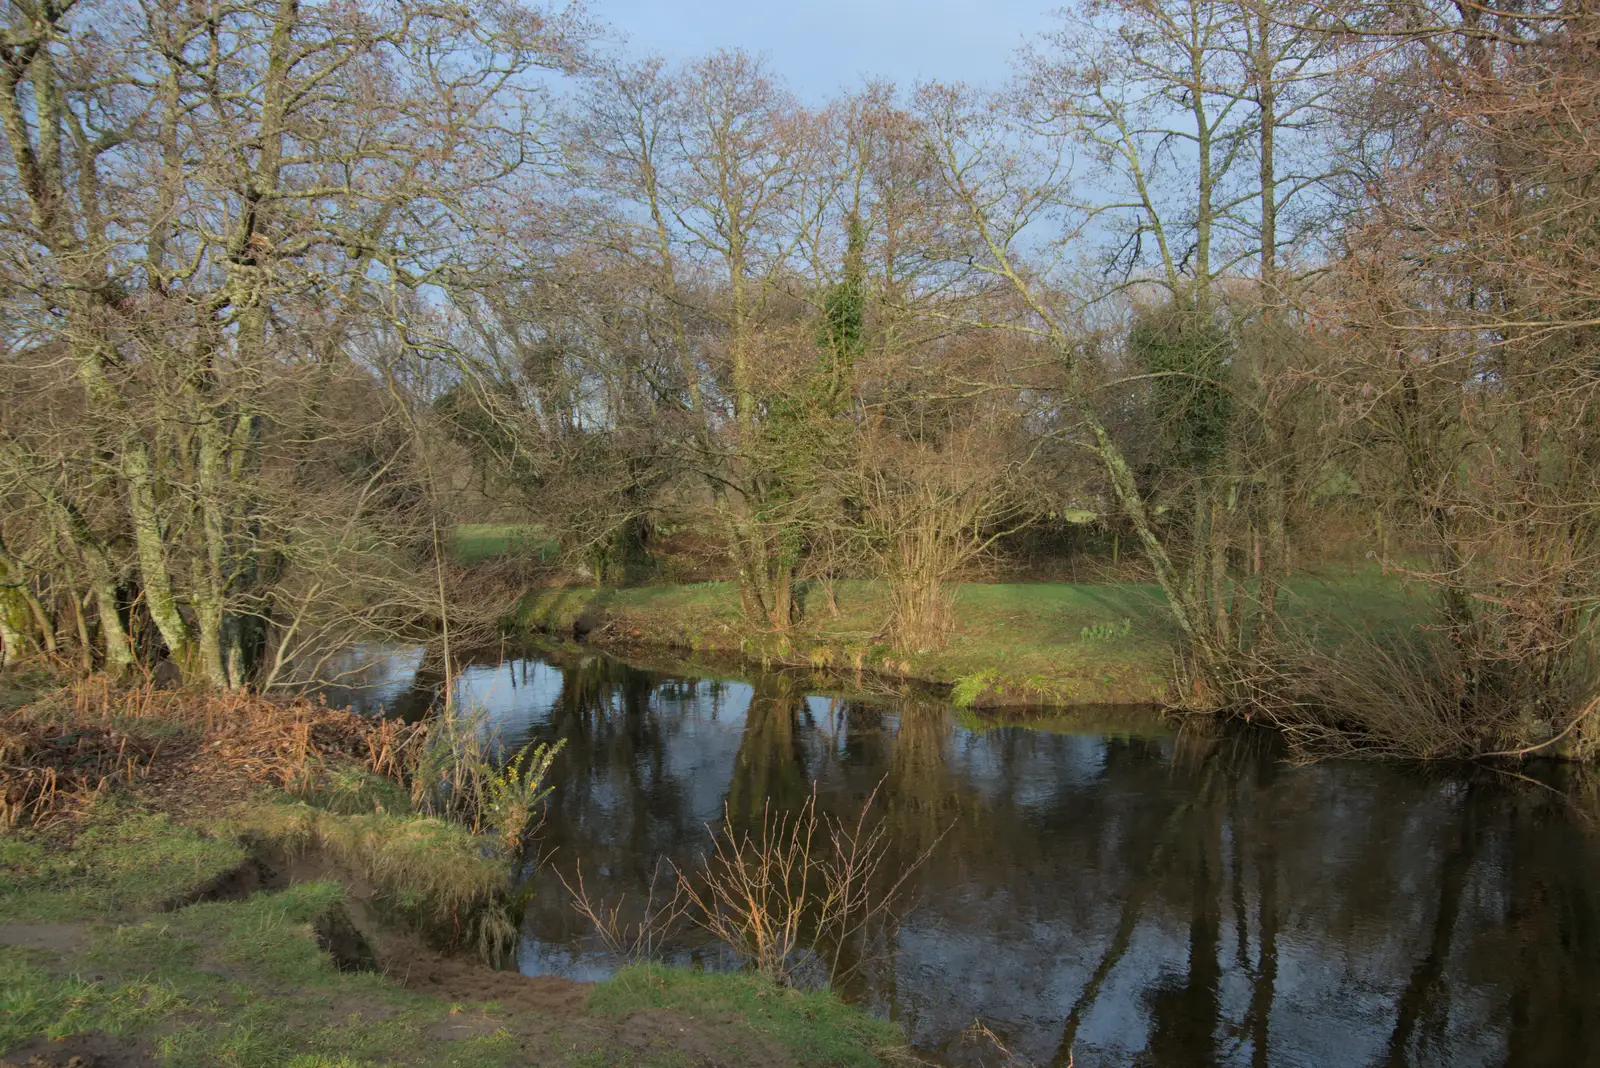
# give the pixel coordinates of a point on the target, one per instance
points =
(15, 619)
(102, 582)
(36, 629)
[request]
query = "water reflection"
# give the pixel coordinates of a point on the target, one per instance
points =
(1112, 899)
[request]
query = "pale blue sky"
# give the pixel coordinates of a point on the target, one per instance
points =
(820, 46)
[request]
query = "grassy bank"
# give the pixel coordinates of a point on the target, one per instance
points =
(1014, 643)
(187, 909)
(96, 962)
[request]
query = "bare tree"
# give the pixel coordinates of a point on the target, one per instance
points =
(1463, 331)
(209, 218)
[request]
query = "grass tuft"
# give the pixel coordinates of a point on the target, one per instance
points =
(35, 1002)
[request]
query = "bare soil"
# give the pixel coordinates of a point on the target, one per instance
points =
(60, 938)
(79, 1051)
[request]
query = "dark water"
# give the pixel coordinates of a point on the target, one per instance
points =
(1132, 898)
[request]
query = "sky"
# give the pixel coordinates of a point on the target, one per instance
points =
(821, 46)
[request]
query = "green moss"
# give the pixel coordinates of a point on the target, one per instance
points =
(814, 1027)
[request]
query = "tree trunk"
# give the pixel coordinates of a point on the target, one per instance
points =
(14, 642)
(102, 583)
(211, 595)
(113, 634)
(1126, 489)
(1219, 549)
(781, 606)
(13, 582)
(1197, 581)
(209, 617)
(80, 620)
(1274, 553)
(148, 537)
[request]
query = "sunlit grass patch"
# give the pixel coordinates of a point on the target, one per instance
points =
(120, 864)
(815, 1027)
(1014, 643)
(1027, 639)
(432, 873)
(473, 543)
(34, 1001)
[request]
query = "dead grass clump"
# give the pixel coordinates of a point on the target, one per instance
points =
(278, 742)
(80, 739)
(50, 772)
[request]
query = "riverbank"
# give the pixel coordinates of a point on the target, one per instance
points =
(1045, 643)
(165, 897)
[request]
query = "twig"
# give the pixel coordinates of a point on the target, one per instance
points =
(1583, 714)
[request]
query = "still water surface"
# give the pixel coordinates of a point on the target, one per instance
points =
(1121, 898)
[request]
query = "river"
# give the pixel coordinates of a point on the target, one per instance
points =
(1112, 891)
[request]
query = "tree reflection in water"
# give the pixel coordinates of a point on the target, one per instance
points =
(1119, 899)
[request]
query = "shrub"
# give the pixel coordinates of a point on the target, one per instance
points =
(511, 798)
(968, 688)
(798, 886)
(1412, 695)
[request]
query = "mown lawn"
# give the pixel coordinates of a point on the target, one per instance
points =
(473, 543)
(1044, 641)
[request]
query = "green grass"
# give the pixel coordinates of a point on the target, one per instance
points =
(119, 865)
(34, 1001)
(231, 983)
(474, 543)
(20, 686)
(244, 983)
(1024, 641)
(814, 1027)
(431, 875)
(1014, 643)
